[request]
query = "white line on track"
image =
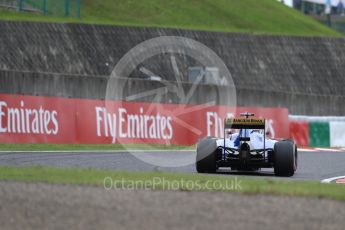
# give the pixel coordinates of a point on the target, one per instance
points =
(329, 180)
(306, 150)
(98, 151)
(328, 149)
(320, 150)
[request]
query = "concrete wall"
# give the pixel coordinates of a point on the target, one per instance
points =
(91, 87)
(306, 75)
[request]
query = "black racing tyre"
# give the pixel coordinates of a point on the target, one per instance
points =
(206, 155)
(296, 153)
(285, 158)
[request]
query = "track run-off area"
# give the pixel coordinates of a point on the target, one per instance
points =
(324, 165)
(37, 205)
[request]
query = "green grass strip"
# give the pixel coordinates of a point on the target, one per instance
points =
(172, 181)
(249, 16)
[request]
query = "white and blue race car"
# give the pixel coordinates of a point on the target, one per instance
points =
(247, 150)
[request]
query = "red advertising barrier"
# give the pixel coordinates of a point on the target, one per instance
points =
(299, 132)
(30, 119)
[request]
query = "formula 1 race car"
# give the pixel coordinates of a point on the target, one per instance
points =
(246, 150)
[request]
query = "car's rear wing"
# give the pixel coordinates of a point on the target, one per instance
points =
(244, 123)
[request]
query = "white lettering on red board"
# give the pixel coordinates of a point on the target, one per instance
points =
(27, 120)
(215, 124)
(270, 128)
(138, 126)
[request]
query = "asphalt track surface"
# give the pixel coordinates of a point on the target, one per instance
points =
(317, 165)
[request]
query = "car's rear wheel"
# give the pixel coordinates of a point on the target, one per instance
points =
(206, 156)
(285, 158)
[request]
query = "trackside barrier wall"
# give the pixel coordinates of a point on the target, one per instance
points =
(318, 131)
(319, 134)
(32, 119)
(337, 133)
(299, 131)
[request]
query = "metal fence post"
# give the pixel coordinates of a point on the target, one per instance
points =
(20, 5)
(303, 6)
(79, 8)
(66, 8)
(329, 20)
(328, 12)
(43, 7)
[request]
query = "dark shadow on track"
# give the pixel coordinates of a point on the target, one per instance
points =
(245, 173)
